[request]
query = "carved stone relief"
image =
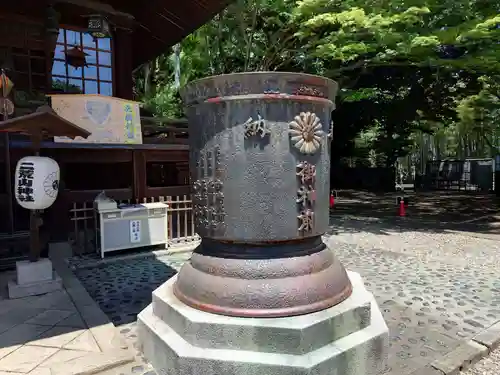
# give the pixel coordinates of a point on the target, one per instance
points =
(306, 172)
(258, 127)
(306, 221)
(306, 196)
(306, 132)
(309, 91)
(219, 172)
(208, 197)
(200, 166)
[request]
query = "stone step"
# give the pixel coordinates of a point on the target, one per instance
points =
(296, 335)
(361, 352)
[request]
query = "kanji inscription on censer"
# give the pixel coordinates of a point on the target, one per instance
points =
(258, 127)
(306, 196)
(208, 196)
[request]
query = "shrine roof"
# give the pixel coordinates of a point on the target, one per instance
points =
(155, 27)
(44, 121)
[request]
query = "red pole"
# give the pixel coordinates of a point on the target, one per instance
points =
(402, 210)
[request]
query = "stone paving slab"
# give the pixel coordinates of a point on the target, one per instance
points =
(465, 355)
(49, 335)
(92, 363)
(427, 370)
(39, 337)
(490, 337)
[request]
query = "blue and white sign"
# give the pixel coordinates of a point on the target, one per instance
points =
(135, 231)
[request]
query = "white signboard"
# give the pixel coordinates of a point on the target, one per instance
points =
(108, 119)
(135, 231)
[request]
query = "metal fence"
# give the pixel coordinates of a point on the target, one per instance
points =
(468, 174)
(180, 222)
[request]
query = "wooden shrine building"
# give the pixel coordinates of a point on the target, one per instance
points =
(87, 47)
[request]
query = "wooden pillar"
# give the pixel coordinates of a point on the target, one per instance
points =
(8, 182)
(123, 64)
(139, 185)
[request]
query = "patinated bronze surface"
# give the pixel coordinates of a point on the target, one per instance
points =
(260, 169)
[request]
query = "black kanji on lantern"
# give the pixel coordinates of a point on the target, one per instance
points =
(25, 182)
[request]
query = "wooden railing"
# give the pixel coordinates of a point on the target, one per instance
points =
(180, 222)
(164, 131)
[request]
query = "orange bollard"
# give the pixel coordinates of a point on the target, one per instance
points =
(402, 210)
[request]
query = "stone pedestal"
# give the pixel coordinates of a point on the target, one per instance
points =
(34, 278)
(262, 294)
(350, 338)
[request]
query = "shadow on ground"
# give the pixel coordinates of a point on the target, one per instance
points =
(427, 211)
(430, 307)
(123, 288)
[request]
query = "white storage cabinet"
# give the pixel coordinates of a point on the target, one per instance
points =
(120, 227)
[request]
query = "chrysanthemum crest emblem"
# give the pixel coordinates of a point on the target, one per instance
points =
(306, 132)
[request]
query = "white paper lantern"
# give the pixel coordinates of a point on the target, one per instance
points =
(36, 182)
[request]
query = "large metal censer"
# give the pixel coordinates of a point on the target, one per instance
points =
(260, 172)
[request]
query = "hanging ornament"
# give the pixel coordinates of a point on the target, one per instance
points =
(6, 84)
(76, 57)
(6, 107)
(98, 27)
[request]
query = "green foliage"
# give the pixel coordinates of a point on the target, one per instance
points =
(411, 33)
(415, 64)
(479, 114)
(406, 68)
(154, 87)
(62, 86)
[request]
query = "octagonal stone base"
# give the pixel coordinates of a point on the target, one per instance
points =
(348, 339)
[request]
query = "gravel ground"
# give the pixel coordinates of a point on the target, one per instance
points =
(488, 366)
(426, 244)
(435, 288)
(423, 242)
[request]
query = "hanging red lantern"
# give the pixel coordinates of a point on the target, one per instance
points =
(76, 57)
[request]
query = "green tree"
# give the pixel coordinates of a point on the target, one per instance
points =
(249, 35)
(478, 127)
(405, 67)
(419, 57)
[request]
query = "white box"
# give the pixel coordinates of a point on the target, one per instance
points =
(131, 226)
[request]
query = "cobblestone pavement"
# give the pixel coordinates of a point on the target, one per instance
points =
(435, 289)
(123, 289)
